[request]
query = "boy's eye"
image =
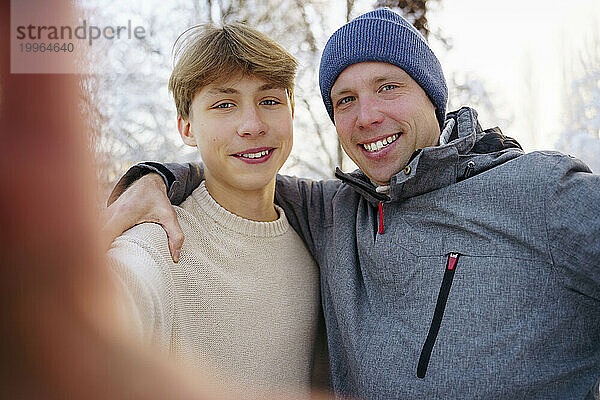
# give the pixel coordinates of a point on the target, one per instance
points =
(269, 102)
(345, 100)
(224, 105)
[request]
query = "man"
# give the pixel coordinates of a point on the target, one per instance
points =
(243, 302)
(452, 264)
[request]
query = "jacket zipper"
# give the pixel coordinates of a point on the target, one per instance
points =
(469, 170)
(380, 217)
(437, 314)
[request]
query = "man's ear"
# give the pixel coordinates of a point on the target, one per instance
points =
(185, 130)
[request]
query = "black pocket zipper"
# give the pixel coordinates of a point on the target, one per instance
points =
(440, 306)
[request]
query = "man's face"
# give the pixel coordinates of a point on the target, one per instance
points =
(382, 116)
(243, 129)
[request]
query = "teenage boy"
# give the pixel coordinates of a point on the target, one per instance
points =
(453, 265)
(243, 301)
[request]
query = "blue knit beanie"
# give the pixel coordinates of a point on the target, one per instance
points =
(383, 36)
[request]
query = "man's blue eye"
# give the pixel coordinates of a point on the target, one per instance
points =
(346, 99)
(388, 87)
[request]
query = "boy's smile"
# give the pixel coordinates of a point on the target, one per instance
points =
(255, 156)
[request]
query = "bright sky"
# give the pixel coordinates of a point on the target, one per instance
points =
(520, 50)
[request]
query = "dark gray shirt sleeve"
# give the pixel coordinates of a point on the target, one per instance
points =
(308, 207)
(180, 179)
(573, 221)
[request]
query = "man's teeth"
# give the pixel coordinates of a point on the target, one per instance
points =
(380, 144)
(256, 155)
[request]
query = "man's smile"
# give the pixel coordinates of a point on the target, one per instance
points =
(380, 143)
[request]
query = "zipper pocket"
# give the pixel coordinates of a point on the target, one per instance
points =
(438, 314)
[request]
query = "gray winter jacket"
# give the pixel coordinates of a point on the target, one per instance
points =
(477, 277)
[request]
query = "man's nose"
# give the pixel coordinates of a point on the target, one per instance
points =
(369, 113)
(251, 123)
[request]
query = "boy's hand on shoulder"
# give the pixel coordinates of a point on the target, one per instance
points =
(144, 201)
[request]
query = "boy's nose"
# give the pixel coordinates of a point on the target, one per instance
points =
(251, 124)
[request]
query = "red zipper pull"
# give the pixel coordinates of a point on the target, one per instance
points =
(452, 260)
(380, 217)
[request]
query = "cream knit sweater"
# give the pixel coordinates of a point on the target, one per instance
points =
(243, 299)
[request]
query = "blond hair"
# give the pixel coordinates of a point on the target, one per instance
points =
(207, 54)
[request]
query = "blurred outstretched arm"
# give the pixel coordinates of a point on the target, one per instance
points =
(61, 335)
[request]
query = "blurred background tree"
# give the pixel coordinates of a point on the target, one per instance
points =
(581, 132)
(414, 11)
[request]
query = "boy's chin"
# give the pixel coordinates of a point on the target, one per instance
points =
(254, 182)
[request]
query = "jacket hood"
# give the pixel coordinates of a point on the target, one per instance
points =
(465, 150)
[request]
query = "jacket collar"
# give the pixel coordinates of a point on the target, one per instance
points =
(430, 168)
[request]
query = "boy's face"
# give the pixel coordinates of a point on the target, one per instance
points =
(243, 129)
